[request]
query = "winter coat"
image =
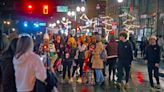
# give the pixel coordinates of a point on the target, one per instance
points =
(125, 52)
(112, 48)
(69, 53)
(97, 62)
(8, 77)
(152, 54)
(81, 49)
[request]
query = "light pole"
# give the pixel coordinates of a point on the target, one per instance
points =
(157, 18)
(120, 11)
(76, 13)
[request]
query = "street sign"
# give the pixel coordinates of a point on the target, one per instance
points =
(42, 24)
(62, 8)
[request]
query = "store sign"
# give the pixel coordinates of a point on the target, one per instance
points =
(62, 8)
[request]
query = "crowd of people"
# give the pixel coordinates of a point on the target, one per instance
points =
(25, 63)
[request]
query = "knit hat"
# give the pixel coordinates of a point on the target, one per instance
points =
(153, 37)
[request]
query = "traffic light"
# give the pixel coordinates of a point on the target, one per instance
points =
(45, 9)
(30, 8)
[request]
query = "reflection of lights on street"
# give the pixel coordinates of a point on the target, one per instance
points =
(58, 21)
(83, 9)
(140, 77)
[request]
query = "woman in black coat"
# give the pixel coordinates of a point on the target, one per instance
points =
(8, 78)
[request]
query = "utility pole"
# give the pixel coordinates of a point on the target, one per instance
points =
(157, 18)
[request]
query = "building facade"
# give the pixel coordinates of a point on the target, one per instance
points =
(149, 14)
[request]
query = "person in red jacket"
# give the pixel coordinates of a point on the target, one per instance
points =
(112, 56)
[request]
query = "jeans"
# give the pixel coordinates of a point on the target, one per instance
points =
(81, 63)
(99, 76)
(65, 65)
(151, 68)
(112, 67)
(123, 65)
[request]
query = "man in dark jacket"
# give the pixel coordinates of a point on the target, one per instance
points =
(8, 78)
(3, 46)
(153, 58)
(125, 57)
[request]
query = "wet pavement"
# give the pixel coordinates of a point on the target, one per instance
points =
(139, 82)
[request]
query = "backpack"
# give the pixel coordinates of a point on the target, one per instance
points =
(103, 54)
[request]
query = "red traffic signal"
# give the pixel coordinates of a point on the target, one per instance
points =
(30, 6)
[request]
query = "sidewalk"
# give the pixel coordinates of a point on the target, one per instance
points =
(140, 66)
(134, 84)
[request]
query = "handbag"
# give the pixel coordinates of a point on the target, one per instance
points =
(51, 78)
(39, 86)
(51, 81)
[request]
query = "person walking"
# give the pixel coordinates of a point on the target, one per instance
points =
(125, 57)
(81, 56)
(112, 57)
(152, 58)
(27, 65)
(67, 62)
(4, 43)
(97, 62)
(8, 77)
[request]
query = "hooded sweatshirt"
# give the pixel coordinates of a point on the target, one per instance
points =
(28, 68)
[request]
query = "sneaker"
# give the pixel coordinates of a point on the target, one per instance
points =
(71, 79)
(158, 86)
(126, 86)
(62, 81)
(119, 85)
(79, 80)
(103, 83)
(152, 89)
